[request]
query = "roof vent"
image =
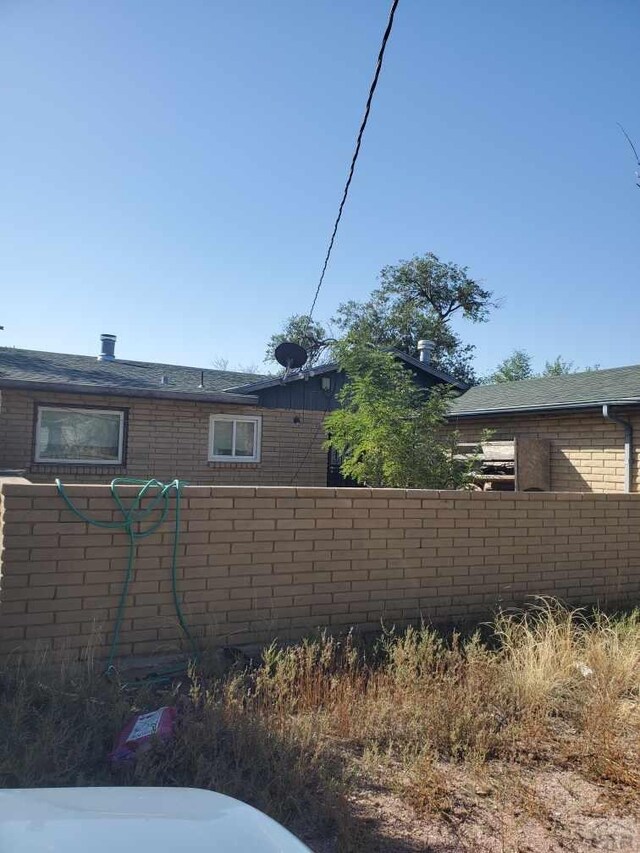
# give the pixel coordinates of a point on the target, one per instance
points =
(108, 349)
(425, 349)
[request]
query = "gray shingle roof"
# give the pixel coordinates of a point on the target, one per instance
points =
(576, 390)
(331, 366)
(87, 373)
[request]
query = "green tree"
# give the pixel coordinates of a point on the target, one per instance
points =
(388, 431)
(418, 299)
(558, 367)
(514, 368)
(415, 299)
(519, 366)
(301, 329)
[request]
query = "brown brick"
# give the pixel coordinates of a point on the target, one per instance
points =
(58, 579)
(271, 569)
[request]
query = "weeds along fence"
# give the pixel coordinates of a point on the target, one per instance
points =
(258, 563)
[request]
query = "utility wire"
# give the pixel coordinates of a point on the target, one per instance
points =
(345, 193)
(633, 148)
(365, 118)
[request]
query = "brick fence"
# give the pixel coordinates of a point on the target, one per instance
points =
(258, 563)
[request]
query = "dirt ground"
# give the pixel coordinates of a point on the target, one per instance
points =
(512, 810)
(528, 742)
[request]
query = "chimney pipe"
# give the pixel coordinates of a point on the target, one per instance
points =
(107, 352)
(425, 348)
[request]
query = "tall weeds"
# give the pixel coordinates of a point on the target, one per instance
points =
(296, 732)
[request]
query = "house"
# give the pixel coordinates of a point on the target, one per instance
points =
(589, 420)
(90, 419)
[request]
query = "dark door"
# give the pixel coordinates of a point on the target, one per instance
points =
(335, 477)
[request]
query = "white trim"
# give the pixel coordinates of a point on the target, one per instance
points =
(235, 419)
(86, 461)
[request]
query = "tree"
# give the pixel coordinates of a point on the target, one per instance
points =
(388, 431)
(222, 363)
(415, 299)
(418, 299)
(558, 367)
(401, 326)
(301, 329)
(514, 368)
(518, 366)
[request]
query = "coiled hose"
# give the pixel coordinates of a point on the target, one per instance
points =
(158, 496)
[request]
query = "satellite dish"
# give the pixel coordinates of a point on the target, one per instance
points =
(290, 355)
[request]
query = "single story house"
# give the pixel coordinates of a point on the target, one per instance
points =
(90, 419)
(589, 420)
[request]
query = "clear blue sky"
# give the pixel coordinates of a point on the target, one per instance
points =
(170, 171)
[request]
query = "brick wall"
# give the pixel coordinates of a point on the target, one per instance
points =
(587, 451)
(168, 439)
(256, 563)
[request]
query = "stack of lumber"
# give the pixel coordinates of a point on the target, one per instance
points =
(521, 463)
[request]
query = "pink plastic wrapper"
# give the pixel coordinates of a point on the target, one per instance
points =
(139, 731)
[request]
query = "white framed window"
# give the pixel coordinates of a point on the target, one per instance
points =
(234, 438)
(85, 436)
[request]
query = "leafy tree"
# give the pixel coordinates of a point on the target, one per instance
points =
(518, 366)
(301, 329)
(418, 299)
(514, 368)
(558, 367)
(401, 326)
(415, 299)
(388, 431)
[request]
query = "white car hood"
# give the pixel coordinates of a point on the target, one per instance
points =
(136, 820)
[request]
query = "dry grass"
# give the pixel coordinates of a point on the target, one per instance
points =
(300, 733)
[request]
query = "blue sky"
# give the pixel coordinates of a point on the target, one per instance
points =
(170, 171)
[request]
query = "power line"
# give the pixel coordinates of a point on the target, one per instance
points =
(345, 193)
(633, 148)
(356, 152)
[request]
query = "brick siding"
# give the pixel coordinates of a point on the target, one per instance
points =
(259, 563)
(167, 439)
(587, 451)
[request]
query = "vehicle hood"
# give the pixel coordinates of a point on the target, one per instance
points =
(128, 820)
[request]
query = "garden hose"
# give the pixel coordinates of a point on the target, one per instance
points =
(133, 516)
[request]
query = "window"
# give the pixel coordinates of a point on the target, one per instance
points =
(88, 436)
(233, 439)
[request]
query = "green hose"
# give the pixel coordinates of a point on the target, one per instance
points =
(133, 517)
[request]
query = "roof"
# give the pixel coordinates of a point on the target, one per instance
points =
(81, 373)
(619, 385)
(53, 371)
(332, 366)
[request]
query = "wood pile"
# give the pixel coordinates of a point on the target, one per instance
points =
(522, 464)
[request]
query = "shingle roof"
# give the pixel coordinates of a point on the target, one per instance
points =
(331, 366)
(575, 390)
(86, 373)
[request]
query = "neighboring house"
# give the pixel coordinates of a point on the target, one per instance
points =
(88, 419)
(588, 418)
